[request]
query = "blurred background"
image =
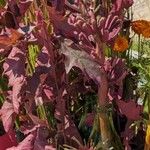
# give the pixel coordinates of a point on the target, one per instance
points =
(141, 9)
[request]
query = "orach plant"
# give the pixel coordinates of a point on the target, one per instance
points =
(60, 74)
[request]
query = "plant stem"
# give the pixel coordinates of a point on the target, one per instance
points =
(103, 118)
(102, 94)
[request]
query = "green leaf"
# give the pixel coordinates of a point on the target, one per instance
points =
(2, 3)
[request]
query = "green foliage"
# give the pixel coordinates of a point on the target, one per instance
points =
(2, 3)
(33, 51)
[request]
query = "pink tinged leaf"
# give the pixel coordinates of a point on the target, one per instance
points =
(111, 27)
(7, 140)
(81, 59)
(7, 115)
(41, 137)
(61, 25)
(48, 92)
(28, 128)
(116, 69)
(14, 68)
(14, 65)
(130, 109)
(119, 6)
(40, 140)
(17, 92)
(26, 144)
(49, 147)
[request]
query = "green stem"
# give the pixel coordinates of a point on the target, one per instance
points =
(41, 112)
(139, 45)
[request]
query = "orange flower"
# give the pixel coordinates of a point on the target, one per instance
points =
(147, 139)
(146, 32)
(121, 44)
(141, 27)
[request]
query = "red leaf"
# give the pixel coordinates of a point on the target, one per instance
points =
(7, 140)
(130, 109)
(89, 120)
(24, 5)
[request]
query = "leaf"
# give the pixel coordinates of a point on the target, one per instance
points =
(14, 68)
(18, 92)
(7, 115)
(41, 138)
(71, 132)
(24, 5)
(35, 87)
(26, 144)
(8, 140)
(116, 72)
(61, 25)
(81, 59)
(119, 5)
(49, 147)
(128, 134)
(37, 121)
(111, 27)
(10, 38)
(130, 109)
(2, 3)
(89, 119)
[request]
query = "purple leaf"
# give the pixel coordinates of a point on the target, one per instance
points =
(81, 59)
(41, 138)
(110, 27)
(61, 25)
(14, 68)
(128, 134)
(119, 5)
(71, 132)
(116, 71)
(36, 87)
